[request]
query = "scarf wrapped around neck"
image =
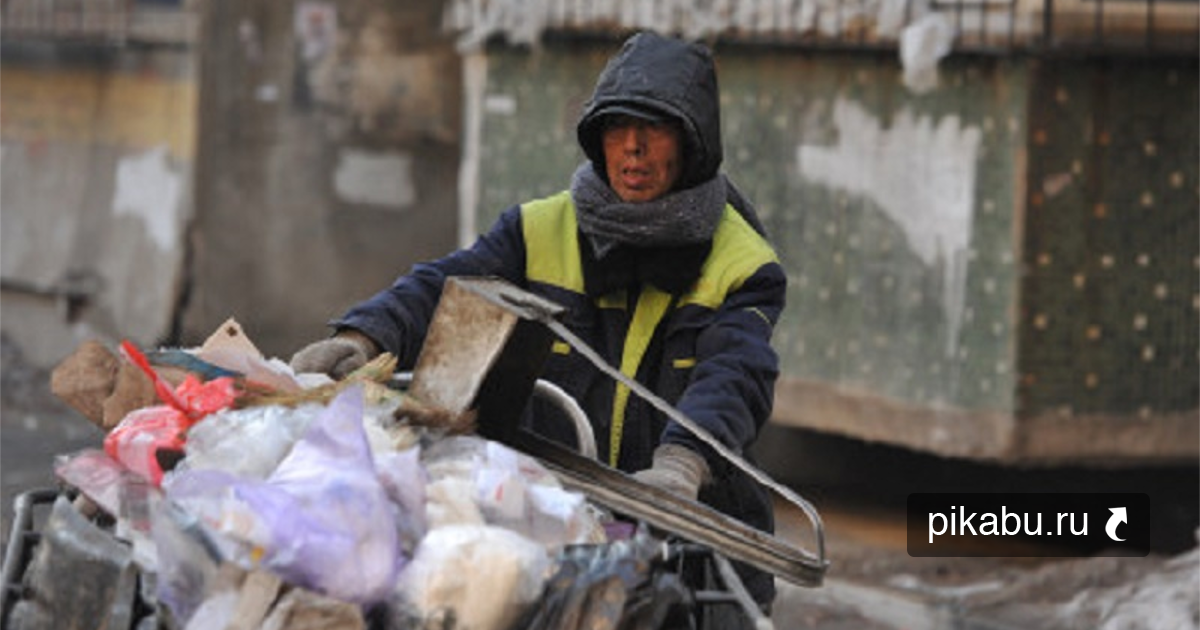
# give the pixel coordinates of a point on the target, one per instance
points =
(682, 217)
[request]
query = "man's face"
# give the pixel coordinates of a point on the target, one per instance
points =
(641, 158)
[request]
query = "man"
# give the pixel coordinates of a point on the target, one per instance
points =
(663, 269)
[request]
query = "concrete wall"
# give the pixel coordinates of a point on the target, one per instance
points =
(290, 161)
(95, 185)
(328, 161)
(1004, 267)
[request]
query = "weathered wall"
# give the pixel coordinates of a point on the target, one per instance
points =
(903, 223)
(95, 188)
(1002, 268)
(1109, 339)
(328, 160)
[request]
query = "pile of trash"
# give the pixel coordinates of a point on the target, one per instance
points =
(247, 496)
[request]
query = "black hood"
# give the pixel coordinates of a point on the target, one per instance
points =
(660, 76)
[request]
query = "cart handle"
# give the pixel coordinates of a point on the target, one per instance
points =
(585, 439)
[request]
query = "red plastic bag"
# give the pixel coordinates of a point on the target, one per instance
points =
(135, 442)
(142, 435)
(193, 398)
(198, 399)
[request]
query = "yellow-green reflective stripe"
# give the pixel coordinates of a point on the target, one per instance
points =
(552, 242)
(651, 307)
(761, 315)
(737, 252)
(560, 347)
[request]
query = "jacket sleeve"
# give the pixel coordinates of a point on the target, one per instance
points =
(731, 391)
(397, 318)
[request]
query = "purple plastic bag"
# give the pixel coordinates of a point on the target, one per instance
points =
(331, 526)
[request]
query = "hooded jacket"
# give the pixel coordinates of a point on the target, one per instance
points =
(654, 77)
(694, 326)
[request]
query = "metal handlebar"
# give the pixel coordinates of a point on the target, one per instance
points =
(585, 439)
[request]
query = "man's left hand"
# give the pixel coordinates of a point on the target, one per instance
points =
(676, 469)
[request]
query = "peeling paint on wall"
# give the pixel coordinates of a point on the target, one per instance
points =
(865, 307)
(381, 179)
(920, 173)
(148, 189)
(316, 29)
(364, 74)
(83, 106)
(523, 23)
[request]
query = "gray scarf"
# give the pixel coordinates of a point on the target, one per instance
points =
(682, 217)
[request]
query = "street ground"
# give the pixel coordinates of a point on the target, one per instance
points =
(872, 583)
(861, 492)
(35, 426)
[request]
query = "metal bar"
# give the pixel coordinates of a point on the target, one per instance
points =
(1012, 23)
(1048, 24)
(983, 22)
(714, 597)
(959, 8)
(545, 312)
(693, 521)
(15, 553)
(584, 436)
(841, 32)
(735, 593)
(1149, 25)
(737, 589)
(674, 414)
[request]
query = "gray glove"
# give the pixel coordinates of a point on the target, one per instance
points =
(676, 469)
(337, 356)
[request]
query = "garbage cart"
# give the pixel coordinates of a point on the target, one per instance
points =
(67, 558)
(64, 553)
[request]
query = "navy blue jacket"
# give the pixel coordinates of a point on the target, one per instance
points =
(693, 323)
(704, 347)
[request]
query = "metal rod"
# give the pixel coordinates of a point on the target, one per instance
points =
(1047, 23)
(674, 414)
(20, 533)
(1012, 23)
(694, 521)
(584, 436)
(735, 586)
(1149, 25)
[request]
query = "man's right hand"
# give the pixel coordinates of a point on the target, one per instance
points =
(337, 356)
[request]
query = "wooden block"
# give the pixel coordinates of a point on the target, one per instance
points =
(258, 593)
(300, 609)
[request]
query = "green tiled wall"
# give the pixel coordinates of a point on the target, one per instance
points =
(1109, 318)
(905, 261)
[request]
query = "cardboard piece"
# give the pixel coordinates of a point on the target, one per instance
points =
(86, 379)
(230, 348)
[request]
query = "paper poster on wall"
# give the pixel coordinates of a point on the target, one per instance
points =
(316, 36)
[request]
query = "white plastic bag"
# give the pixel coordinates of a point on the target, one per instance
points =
(247, 442)
(480, 576)
(476, 481)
